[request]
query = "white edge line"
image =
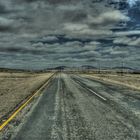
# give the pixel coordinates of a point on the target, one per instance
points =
(95, 93)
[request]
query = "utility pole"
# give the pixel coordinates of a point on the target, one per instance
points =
(122, 71)
(99, 67)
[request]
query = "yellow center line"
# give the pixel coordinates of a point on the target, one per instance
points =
(22, 106)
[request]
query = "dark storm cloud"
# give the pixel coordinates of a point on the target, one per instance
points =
(75, 15)
(61, 39)
(2, 9)
(30, 0)
(59, 1)
(5, 24)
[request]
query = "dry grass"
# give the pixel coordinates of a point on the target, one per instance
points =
(130, 80)
(15, 87)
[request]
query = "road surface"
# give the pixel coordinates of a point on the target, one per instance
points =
(80, 108)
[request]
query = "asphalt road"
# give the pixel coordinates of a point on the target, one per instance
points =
(81, 108)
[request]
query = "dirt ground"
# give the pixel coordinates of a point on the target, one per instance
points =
(15, 87)
(129, 80)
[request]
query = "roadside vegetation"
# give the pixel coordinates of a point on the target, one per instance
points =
(16, 87)
(129, 80)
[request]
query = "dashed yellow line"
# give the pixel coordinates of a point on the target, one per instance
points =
(22, 106)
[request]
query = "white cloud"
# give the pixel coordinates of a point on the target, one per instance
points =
(50, 38)
(135, 42)
(122, 40)
(132, 2)
(5, 22)
(126, 33)
(75, 27)
(127, 41)
(108, 17)
(84, 29)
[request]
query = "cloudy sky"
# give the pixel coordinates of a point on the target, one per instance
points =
(37, 34)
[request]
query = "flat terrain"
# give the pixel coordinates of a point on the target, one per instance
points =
(79, 108)
(130, 80)
(15, 87)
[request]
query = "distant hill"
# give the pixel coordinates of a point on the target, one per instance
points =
(13, 70)
(60, 68)
(88, 67)
(124, 68)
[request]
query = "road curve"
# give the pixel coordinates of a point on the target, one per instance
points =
(69, 109)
